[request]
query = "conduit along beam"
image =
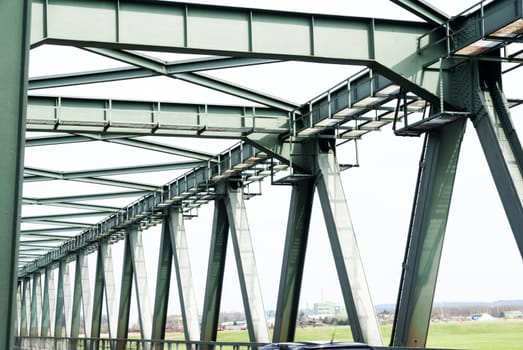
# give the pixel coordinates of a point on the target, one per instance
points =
(242, 162)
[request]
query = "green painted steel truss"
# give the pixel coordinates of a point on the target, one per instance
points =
(410, 80)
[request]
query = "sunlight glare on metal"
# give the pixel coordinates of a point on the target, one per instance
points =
(346, 112)
(392, 89)
(476, 48)
(374, 124)
(327, 122)
(353, 134)
(368, 101)
(510, 31)
(309, 132)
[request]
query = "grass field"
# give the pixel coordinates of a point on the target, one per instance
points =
(492, 335)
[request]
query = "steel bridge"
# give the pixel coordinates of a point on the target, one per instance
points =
(425, 77)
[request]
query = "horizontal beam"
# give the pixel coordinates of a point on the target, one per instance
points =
(99, 116)
(85, 197)
(35, 174)
(201, 79)
(231, 31)
(424, 11)
(183, 66)
(74, 205)
(124, 73)
(55, 140)
(188, 190)
(121, 139)
(49, 230)
(45, 175)
(159, 147)
(64, 216)
(59, 223)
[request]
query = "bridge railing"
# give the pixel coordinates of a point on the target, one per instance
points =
(64, 343)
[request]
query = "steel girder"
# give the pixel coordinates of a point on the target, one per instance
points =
(140, 282)
(80, 198)
(146, 118)
(501, 145)
(109, 287)
(245, 263)
(83, 269)
(97, 296)
(36, 306)
(293, 261)
(126, 140)
(424, 10)
(182, 266)
(25, 308)
(351, 275)
(14, 36)
(36, 174)
(227, 31)
(18, 317)
(77, 300)
(204, 12)
(126, 287)
(48, 304)
(60, 318)
(187, 188)
(482, 95)
(400, 50)
(124, 73)
(426, 235)
(201, 79)
(215, 272)
(163, 279)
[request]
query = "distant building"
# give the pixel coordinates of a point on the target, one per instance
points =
(329, 309)
(513, 314)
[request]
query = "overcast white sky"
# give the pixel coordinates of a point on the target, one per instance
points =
(480, 259)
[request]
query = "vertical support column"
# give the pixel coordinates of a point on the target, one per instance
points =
(48, 304)
(126, 288)
(246, 264)
(99, 286)
(77, 299)
(215, 271)
(502, 148)
(182, 265)
(46, 320)
(36, 306)
(110, 288)
(163, 279)
(425, 242)
(140, 281)
(33, 331)
(293, 260)
(83, 266)
(14, 36)
(358, 301)
(67, 300)
(25, 309)
(18, 307)
(61, 296)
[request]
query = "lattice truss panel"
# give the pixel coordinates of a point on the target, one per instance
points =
(140, 111)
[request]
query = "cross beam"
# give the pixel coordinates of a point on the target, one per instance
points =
(151, 118)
